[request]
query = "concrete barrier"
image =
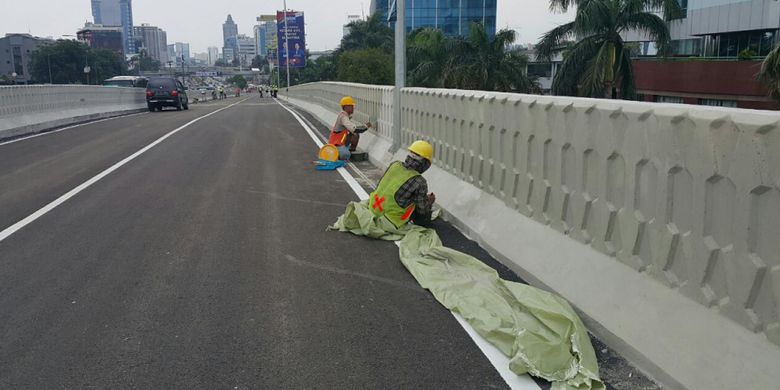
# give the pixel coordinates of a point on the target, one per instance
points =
(35, 108)
(658, 222)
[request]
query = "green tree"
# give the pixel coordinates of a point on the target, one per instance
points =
(770, 72)
(66, 60)
(670, 9)
(238, 80)
(220, 62)
(599, 63)
(236, 62)
(431, 63)
(261, 63)
(372, 33)
(368, 66)
(490, 64)
(147, 63)
(105, 64)
(321, 69)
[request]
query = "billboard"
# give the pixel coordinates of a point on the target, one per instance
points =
(296, 37)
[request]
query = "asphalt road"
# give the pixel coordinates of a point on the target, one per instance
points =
(204, 264)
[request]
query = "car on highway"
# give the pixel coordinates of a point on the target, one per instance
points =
(166, 92)
(126, 81)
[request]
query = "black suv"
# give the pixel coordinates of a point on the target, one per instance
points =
(166, 91)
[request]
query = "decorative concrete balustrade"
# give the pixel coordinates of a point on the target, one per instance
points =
(688, 197)
(31, 108)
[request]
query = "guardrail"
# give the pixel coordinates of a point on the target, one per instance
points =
(28, 109)
(686, 196)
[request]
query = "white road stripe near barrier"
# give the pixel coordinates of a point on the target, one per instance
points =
(496, 358)
(51, 206)
(66, 128)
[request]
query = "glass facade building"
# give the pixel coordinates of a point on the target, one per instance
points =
(453, 17)
(116, 13)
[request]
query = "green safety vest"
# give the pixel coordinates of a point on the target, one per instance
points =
(382, 200)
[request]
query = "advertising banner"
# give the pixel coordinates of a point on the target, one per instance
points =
(296, 39)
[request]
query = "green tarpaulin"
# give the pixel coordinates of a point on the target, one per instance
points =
(539, 332)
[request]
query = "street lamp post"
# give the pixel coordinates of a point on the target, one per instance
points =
(286, 46)
(87, 69)
(400, 70)
(48, 60)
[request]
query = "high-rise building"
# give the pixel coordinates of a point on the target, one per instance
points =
(165, 56)
(247, 49)
(182, 52)
(453, 17)
(116, 13)
(213, 53)
(265, 36)
(98, 36)
(153, 40)
(230, 35)
(15, 50)
(228, 54)
(171, 52)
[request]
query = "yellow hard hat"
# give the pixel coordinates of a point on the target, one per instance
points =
(329, 152)
(347, 101)
(422, 149)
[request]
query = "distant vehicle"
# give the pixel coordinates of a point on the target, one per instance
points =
(166, 92)
(126, 81)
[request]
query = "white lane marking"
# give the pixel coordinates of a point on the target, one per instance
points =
(355, 169)
(45, 209)
(67, 128)
(494, 355)
(361, 193)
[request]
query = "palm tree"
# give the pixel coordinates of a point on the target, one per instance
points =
(430, 61)
(670, 9)
(371, 33)
(770, 72)
(599, 63)
(482, 63)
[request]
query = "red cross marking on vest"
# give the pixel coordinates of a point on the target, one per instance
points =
(378, 203)
(408, 213)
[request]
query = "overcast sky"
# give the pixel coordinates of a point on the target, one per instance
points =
(199, 22)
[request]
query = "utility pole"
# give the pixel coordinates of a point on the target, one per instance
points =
(286, 46)
(48, 60)
(400, 70)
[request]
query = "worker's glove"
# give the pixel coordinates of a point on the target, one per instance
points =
(432, 197)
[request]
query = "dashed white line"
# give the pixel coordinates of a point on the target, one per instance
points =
(51, 206)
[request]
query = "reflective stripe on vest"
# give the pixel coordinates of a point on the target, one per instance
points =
(338, 135)
(382, 201)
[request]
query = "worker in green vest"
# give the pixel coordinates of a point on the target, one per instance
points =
(402, 193)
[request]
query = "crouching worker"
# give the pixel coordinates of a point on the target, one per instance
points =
(402, 193)
(346, 133)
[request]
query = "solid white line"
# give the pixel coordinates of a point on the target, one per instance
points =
(45, 209)
(67, 128)
(496, 357)
(355, 169)
(361, 193)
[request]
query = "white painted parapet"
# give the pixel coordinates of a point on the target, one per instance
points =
(32, 108)
(659, 222)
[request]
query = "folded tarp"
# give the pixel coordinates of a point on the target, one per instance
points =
(539, 331)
